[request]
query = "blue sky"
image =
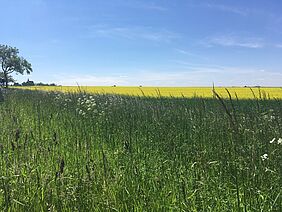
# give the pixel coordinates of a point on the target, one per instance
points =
(147, 42)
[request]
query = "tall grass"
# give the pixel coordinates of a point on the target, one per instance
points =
(118, 153)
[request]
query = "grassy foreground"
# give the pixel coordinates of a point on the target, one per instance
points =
(205, 92)
(82, 152)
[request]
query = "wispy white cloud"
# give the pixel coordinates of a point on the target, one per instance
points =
(191, 54)
(272, 19)
(234, 41)
(279, 45)
(141, 4)
(88, 79)
(230, 40)
(227, 8)
(133, 33)
(153, 6)
(242, 11)
(182, 51)
(205, 76)
(189, 75)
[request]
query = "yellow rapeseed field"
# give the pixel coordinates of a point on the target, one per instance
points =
(241, 92)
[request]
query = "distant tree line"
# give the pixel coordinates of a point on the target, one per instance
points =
(32, 83)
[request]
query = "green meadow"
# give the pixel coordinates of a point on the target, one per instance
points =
(103, 152)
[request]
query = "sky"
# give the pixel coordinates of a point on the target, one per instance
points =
(147, 42)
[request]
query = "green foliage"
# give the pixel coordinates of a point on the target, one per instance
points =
(77, 152)
(11, 62)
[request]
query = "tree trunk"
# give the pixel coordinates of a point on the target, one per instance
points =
(6, 79)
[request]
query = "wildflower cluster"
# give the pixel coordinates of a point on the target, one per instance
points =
(269, 115)
(58, 96)
(264, 157)
(62, 99)
(86, 105)
(278, 141)
(272, 141)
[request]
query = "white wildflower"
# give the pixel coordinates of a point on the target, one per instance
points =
(279, 141)
(272, 140)
(269, 170)
(264, 157)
